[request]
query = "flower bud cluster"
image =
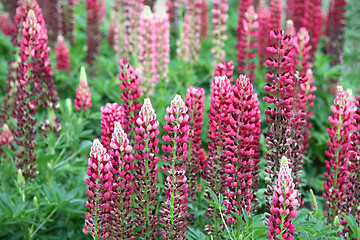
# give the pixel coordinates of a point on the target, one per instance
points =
(83, 95)
(62, 55)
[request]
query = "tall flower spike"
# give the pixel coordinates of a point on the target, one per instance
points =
(129, 83)
(145, 171)
(204, 20)
(276, 8)
(121, 151)
(247, 44)
(174, 207)
(219, 19)
(83, 95)
(283, 205)
(62, 55)
(338, 155)
(67, 19)
(263, 33)
(100, 183)
(194, 101)
(243, 149)
(7, 27)
(315, 24)
(110, 114)
(51, 16)
(189, 42)
(281, 91)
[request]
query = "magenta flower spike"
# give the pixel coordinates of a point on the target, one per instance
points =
(284, 203)
(83, 95)
(263, 33)
(315, 24)
(67, 19)
(219, 19)
(100, 183)
(7, 27)
(204, 20)
(62, 55)
(194, 101)
(145, 171)
(129, 83)
(110, 114)
(276, 11)
(225, 69)
(174, 207)
(338, 155)
(242, 149)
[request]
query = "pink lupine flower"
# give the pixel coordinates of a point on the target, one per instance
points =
(51, 17)
(121, 151)
(6, 136)
(281, 93)
(276, 8)
(263, 33)
(174, 207)
(145, 170)
(194, 101)
(315, 24)
(83, 94)
(172, 10)
(243, 149)
(283, 205)
(300, 11)
(110, 114)
(302, 51)
(129, 83)
(247, 45)
(62, 55)
(204, 20)
(189, 42)
(100, 183)
(225, 69)
(7, 27)
(219, 19)
(67, 19)
(342, 121)
(335, 27)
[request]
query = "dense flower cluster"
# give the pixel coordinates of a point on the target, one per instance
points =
(337, 162)
(129, 83)
(110, 114)
(204, 19)
(276, 12)
(219, 19)
(315, 24)
(247, 44)
(7, 27)
(264, 28)
(67, 19)
(83, 95)
(62, 55)
(283, 205)
(281, 91)
(189, 42)
(243, 149)
(225, 69)
(195, 102)
(174, 207)
(145, 170)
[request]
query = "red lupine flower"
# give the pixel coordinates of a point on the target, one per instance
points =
(315, 24)
(67, 19)
(263, 33)
(100, 183)
(194, 101)
(243, 149)
(342, 122)
(189, 42)
(246, 45)
(225, 69)
(120, 150)
(300, 11)
(276, 8)
(281, 93)
(62, 55)
(283, 205)
(335, 28)
(146, 171)
(129, 83)
(204, 20)
(174, 207)
(111, 113)
(83, 94)
(51, 16)
(219, 19)
(7, 27)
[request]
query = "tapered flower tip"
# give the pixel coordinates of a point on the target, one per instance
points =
(251, 14)
(5, 127)
(147, 109)
(146, 13)
(83, 77)
(243, 81)
(177, 101)
(119, 140)
(285, 171)
(60, 38)
(97, 149)
(290, 29)
(31, 15)
(160, 9)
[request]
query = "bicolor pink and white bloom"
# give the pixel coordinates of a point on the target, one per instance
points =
(284, 203)
(110, 114)
(83, 95)
(62, 55)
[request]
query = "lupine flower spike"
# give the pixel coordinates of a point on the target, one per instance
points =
(110, 114)
(243, 149)
(204, 19)
(62, 55)
(67, 20)
(145, 171)
(194, 101)
(342, 121)
(225, 69)
(263, 33)
(284, 203)
(219, 19)
(83, 95)
(174, 207)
